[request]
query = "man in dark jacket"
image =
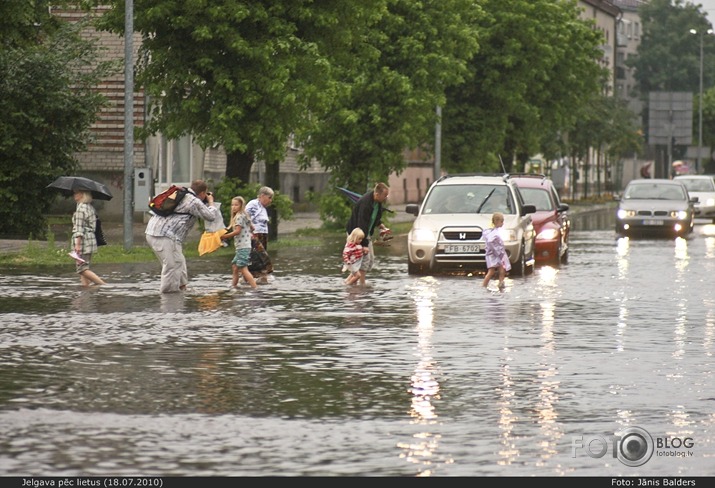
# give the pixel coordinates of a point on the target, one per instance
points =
(367, 214)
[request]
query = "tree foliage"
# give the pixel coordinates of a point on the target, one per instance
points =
(668, 54)
(48, 101)
(669, 57)
(242, 74)
(25, 22)
(355, 82)
(537, 63)
(409, 57)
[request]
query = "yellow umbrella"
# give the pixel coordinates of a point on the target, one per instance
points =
(210, 241)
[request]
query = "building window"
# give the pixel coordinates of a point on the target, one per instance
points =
(172, 161)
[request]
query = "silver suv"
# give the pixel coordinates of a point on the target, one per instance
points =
(446, 236)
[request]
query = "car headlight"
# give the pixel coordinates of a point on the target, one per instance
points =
(710, 202)
(622, 213)
(423, 235)
(679, 214)
(509, 235)
(548, 234)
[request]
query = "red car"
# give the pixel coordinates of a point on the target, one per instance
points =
(551, 220)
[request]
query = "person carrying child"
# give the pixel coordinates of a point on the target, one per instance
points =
(496, 258)
(353, 253)
(241, 229)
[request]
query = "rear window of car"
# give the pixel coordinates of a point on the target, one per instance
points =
(447, 199)
(539, 197)
(698, 184)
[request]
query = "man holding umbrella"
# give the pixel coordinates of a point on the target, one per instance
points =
(166, 235)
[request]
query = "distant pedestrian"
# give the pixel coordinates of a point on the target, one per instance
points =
(496, 257)
(166, 235)
(353, 253)
(367, 214)
(257, 211)
(84, 241)
(241, 228)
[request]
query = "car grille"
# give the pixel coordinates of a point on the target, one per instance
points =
(460, 260)
(454, 235)
(649, 213)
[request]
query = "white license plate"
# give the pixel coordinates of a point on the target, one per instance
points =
(652, 222)
(462, 248)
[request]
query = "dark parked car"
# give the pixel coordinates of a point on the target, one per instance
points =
(655, 207)
(551, 219)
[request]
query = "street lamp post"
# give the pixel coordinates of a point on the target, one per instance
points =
(700, 100)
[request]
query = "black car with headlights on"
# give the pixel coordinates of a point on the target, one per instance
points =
(657, 207)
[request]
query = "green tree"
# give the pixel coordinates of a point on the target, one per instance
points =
(537, 63)
(244, 75)
(48, 102)
(668, 54)
(395, 82)
(605, 123)
(355, 82)
(25, 22)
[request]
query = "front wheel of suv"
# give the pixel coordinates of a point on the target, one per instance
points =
(519, 268)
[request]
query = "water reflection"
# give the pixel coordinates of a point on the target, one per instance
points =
(424, 385)
(409, 376)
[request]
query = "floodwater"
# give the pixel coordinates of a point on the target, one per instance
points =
(409, 376)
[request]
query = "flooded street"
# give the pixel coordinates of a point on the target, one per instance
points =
(409, 376)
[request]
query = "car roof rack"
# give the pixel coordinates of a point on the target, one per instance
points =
(444, 177)
(529, 175)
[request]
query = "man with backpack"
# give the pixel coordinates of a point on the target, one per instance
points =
(166, 234)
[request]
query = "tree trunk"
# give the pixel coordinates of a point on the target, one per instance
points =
(238, 165)
(272, 179)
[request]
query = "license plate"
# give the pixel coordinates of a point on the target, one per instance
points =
(652, 222)
(462, 248)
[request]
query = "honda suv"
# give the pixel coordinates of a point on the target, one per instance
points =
(446, 236)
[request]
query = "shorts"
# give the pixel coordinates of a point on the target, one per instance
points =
(82, 267)
(354, 267)
(368, 259)
(242, 258)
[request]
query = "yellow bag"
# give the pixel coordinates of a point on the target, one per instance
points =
(210, 241)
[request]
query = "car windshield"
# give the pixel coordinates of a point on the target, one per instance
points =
(446, 199)
(698, 184)
(655, 191)
(538, 197)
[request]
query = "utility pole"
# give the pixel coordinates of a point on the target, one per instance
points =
(128, 124)
(700, 100)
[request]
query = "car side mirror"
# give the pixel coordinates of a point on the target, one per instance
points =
(694, 199)
(528, 209)
(413, 209)
(563, 207)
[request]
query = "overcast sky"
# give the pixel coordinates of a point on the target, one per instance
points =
(708, 8)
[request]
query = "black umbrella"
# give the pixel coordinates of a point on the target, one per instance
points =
(67, 185)
(354, 197)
